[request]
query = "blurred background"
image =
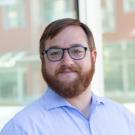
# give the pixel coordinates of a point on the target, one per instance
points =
(21, 25)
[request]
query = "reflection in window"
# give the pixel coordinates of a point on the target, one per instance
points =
(10, 78)
(14, 15)
(20, 78)
(54, 9)
(129, 5)
(108, 15)
(11, 82)
(119, 65)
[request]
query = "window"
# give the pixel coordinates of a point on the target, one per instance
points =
(129, 5)
(54, 9)
(11, 82)
(108, 15)
(14, 15)
(119, 68)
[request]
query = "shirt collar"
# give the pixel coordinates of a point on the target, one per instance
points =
(52, 100)
(96, 100)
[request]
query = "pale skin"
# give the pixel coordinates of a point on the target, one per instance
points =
(65, 39)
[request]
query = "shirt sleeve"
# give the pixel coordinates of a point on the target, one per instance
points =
(11, 128)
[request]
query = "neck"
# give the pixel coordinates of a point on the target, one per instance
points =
(82, 102)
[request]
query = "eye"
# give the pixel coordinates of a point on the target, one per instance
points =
(54, 52)
(77, 50)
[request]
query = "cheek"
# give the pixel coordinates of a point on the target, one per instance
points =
(50, 67)
(86, 64)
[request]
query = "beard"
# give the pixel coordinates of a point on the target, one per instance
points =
(73, 88)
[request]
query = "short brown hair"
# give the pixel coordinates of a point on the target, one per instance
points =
(57, 26)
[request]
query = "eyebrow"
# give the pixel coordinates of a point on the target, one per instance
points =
(53, 47)
(71, 45)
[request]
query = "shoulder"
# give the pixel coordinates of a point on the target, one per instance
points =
(114, 105)
(32, 111)
(117, 109)
(25, 120)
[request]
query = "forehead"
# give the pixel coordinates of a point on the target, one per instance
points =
(68, 36)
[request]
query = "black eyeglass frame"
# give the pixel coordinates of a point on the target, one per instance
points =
(63, 51)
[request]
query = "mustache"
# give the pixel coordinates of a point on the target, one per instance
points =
(71, 68)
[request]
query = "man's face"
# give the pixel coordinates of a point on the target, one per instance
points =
(69, 77)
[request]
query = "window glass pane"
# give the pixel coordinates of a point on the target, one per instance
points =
(131, 66)
(52, 9)
(108, 15)
(8, 91)
(14, 15)
(113, 66)
(129, 5)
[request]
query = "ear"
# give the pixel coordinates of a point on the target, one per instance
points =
(94, 55)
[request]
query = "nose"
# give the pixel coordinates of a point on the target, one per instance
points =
(67, 60)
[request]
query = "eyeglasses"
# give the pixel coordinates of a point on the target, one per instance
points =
(76, 52)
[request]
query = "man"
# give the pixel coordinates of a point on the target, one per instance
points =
(68, 55)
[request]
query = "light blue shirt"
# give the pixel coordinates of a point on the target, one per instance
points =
(53, 115)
